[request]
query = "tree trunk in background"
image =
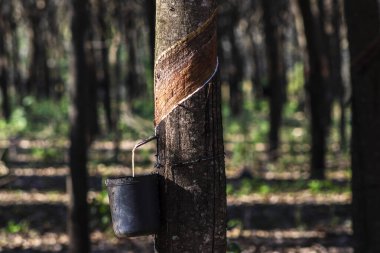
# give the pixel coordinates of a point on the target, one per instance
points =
(364, 39)
(134, 88)
(92, 78)
(105, 82)
(255, 35)
(78, 225)
(38, 82)
(92, 106)
(190, 145)
(317, 89)
(34, 68)
(150, 8)
(236, 68)
(330, 23)
(17, 82)
(117, 105)
(257, 76)
(337, 12)
(276, 70)
(4, 72)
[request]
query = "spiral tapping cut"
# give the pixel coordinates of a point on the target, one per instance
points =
(185, 68)
(178, 78)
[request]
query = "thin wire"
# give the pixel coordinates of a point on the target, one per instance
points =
(139, 144)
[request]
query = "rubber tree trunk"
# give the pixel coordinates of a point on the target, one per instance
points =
(117, 106)
(38, 82)
(337, 12)
(78, 228)
(150, 12)
(135, 89)
(236, 69)
(317, 89)
(276, 71)
(4, 69)
(17, 82)
(105, 81)
(255, 34)
(93, 96)
(364, 42)
(190, 139)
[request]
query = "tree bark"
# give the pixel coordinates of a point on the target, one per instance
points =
(93, 96)
(92, 77)
(236, 69)
(276, 71)
(17, 82)
(150, 11)
(78, 228)
(105, 82)
(4, 67)
(336, 69)
(317, 89)
(38, 82)
(364, 42)
(190, 144)
(134, 86)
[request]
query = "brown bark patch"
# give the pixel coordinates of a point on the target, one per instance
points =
(183, 68)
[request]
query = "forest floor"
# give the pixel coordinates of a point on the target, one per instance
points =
(272, 207)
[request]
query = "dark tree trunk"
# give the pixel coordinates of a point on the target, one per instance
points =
(38, 82)
(364, 40)
(4, 67)
(336, 68)
(330, 23)
(78, 225)
(34, 70)
(17, 82)
(255, 34)
(317, 89)
(135, 89)
(92, 107)
(236, 69)
(257, 75)
(105, 73)
(190, 140)
(117, 110)
(92, 79)
(150, 8)
(276, 70)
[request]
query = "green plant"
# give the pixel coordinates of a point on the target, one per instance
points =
(14, 227)
(230, 189)
(233, 247)
(263, 187)
(234, 223)
(100, 211)
(47, 154)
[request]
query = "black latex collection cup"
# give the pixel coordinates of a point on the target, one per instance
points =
(134, 203)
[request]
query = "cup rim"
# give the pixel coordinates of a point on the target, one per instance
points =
(126, 180)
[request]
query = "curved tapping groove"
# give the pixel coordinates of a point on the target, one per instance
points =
(184, 68)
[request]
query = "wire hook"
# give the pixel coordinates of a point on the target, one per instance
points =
(139, 144)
